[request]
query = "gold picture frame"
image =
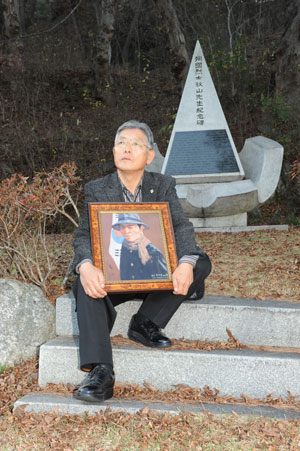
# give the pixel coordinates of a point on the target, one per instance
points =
(144, 264)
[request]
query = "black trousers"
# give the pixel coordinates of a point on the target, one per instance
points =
(96, 317)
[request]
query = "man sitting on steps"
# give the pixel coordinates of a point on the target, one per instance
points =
(133, 151)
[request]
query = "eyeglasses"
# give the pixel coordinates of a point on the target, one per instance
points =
(123, 143)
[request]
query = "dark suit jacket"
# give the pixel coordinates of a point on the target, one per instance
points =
(131, 267)
(156, 188)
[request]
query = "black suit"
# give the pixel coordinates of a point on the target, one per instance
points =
(131, 267)
(96, 316)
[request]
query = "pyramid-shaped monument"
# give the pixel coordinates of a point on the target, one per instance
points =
(201, 148)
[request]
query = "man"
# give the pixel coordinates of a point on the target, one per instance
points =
(140, 260)
(133, 151)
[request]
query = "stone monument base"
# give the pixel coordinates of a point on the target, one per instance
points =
(225, 204)
(221, 221)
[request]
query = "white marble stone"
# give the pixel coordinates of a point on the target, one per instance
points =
(62, 404)
(262, 160)
(217, 199)
(235, 372)
(250, 321)
(157, 162)
(220, 200)
(214, 119)
(238, 220)
(239, 229)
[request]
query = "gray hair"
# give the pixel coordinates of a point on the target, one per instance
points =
(141, 126)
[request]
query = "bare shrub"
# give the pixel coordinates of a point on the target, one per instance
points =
(25, 211)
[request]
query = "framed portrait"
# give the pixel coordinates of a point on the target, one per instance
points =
(133, 245)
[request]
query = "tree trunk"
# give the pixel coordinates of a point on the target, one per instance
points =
(180, 57)
(102, 45)
(22, 16)
(29, 16)
(78, 34)
(136, 8)
(11, 17)
(12, 30)
(288, 57)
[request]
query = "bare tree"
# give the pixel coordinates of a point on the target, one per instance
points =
(78, 33)
(30, 11)
(136, 9)
(181, 60)
(288, 56)
(12, 25)
(105, 15)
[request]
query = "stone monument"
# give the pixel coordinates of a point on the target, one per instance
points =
(216, 185)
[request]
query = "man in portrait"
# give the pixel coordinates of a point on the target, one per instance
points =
(132, 151)
(140, 259)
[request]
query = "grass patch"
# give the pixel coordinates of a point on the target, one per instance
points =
(2, 368)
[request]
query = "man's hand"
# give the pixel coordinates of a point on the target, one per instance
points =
(92, 280)
(182, 278)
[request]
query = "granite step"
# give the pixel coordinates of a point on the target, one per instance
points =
(254, 322)
(62, 404)
(253, 373)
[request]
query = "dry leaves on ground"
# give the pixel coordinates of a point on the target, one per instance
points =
(261, 265)
(144, 430)
(182, 344)
(147, 430)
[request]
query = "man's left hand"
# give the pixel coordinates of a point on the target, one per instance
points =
(182, 278)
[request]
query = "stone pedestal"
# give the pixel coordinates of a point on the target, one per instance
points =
(239, 220)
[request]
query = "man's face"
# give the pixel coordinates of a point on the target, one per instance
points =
(130, 151)
(131, 232)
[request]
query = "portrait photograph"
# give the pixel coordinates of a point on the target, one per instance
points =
(133, 245)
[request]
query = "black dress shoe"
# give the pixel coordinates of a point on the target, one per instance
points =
(98, 385)
(146, 332)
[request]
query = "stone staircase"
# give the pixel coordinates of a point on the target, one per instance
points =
(252, 372)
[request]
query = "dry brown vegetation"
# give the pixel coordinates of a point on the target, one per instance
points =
(146, 429)
(261, 265)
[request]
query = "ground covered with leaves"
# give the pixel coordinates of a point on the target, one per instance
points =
(261, 265)
(148, 430)
(144, 430)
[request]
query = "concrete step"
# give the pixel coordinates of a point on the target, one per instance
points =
(253, 373)
(269, 323)
(62, 404)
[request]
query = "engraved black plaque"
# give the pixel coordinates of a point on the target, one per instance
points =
(201, 152)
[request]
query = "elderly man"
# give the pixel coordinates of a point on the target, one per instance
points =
(133, 151)
(140, 260)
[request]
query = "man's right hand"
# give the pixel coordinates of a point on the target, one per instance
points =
(92, 280)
